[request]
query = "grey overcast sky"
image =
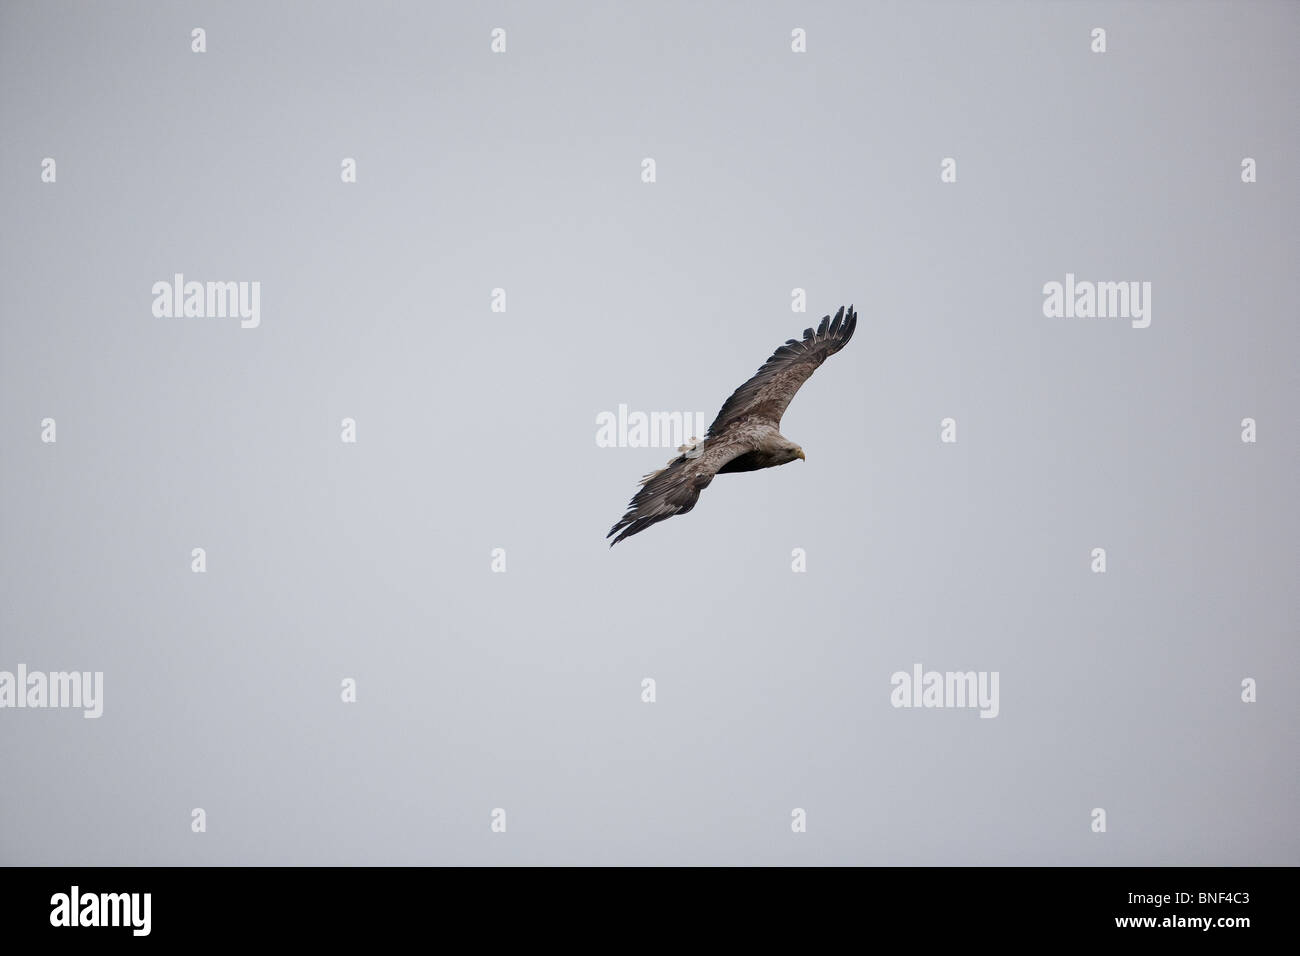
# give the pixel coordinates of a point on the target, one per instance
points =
(372, 560)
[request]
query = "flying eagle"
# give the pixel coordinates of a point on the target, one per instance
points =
(746, 434)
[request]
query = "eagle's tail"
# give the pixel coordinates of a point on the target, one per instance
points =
(692, 449)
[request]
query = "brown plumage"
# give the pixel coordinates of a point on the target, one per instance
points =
(746, 434)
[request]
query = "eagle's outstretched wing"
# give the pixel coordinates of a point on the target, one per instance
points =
(767, 395)
(674, 489)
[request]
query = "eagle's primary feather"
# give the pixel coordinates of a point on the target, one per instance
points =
(746, 434)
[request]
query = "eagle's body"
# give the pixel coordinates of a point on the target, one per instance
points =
(746, 434)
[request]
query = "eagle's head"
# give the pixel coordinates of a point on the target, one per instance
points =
(791, 452)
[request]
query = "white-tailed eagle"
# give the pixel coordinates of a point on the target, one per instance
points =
(746, 434)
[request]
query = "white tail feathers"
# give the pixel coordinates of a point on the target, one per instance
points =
(692, 449)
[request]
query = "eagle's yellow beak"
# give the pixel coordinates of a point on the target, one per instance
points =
(801, 457)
